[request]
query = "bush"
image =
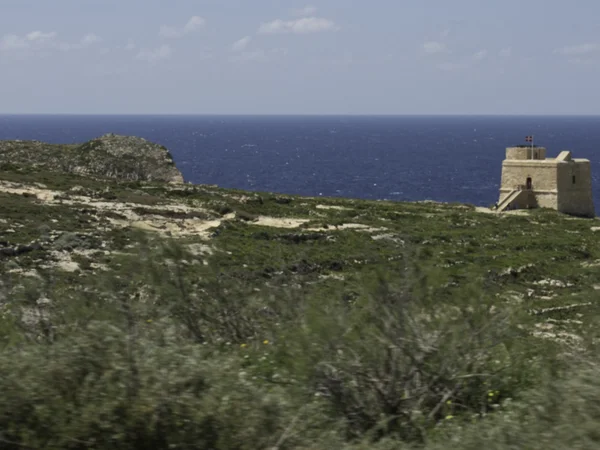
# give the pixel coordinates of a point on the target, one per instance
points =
(178, 355)
(106, 389)
(396, 362)
(561, 412)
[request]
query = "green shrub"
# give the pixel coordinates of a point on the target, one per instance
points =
(397, 362)
(180, 355)
(104, 388)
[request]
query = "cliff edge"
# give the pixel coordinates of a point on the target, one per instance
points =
(110, 156)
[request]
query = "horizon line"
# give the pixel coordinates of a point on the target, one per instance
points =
(5, 114)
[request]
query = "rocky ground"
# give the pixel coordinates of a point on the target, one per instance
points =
(109, 156)
(69, 230)
(80, 224)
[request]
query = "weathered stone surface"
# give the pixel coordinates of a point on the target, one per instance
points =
(111, 156)
(530, 180)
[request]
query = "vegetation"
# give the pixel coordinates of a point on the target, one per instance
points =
(110, 156)
(139, 315)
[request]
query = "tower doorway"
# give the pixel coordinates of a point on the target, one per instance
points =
(528, 184)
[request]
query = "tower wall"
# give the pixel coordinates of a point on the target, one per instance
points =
(543, 176)
(561, 183)
(542, 173)
(575, 188)
(523, 152)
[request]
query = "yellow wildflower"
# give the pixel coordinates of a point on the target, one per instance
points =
(244, 345)
(266, 341)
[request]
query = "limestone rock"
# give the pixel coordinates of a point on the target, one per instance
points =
(111, 156)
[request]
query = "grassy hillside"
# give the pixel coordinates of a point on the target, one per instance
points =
(146, 315)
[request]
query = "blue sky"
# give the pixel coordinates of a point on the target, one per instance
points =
(297, 57)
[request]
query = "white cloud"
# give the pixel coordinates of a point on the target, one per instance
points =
(130, 45)
(39, 36)
(434, 47)
(482, 54)
(13, 42)
(35, 39)
(306, 11)
(169, 32)
(581, 49)
(39, 40)
(90, 39)
(154, 55)
(240, 46)
(506, 52)
(259, 55)
(194, 24)
(85, 41)
(300, 26)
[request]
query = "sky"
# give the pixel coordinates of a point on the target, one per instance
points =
(299, 57)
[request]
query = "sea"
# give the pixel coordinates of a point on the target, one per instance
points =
(401, 158)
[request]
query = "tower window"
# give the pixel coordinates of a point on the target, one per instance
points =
(573, 179)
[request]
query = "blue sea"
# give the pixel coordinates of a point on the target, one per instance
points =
(441, 158)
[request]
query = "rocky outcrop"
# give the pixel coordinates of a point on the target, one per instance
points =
(111, 156)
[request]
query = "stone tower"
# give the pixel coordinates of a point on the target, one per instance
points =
(530, 180)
